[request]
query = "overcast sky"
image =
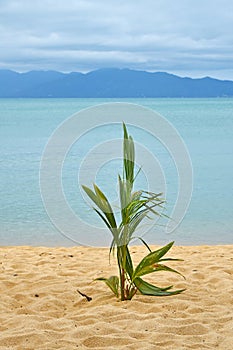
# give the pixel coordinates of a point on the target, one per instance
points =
(186, 37)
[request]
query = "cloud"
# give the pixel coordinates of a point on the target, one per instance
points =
(184, 37)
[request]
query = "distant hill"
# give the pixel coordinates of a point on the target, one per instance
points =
(110, 82)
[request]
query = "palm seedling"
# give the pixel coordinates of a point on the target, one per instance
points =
(134, 207)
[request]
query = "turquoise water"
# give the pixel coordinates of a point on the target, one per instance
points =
(205, 125)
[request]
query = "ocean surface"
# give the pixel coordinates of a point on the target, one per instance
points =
(26, 126)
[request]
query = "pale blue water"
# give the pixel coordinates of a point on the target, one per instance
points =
(206, 126)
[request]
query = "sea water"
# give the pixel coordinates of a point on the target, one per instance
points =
(26, 125)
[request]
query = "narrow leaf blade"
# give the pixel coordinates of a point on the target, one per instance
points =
(146, 288)
(150, 261)
(112, 282)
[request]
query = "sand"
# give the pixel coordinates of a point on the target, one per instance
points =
(40, 307)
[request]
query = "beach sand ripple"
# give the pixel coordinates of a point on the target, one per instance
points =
(41, 309)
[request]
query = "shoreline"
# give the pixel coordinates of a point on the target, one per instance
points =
(41, 308)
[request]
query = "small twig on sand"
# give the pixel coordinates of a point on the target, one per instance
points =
(84, 295)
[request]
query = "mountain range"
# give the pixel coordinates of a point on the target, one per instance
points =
(109, 82)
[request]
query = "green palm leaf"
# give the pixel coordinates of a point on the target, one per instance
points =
(135, 207)
(149, 289)
(112, 282)
(102, 203)
(150, 261)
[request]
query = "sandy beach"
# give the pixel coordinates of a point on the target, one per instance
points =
(40, 307)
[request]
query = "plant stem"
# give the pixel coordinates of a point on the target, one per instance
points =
(119, 261)
(123, 284)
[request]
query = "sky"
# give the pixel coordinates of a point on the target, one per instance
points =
(183, 37)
